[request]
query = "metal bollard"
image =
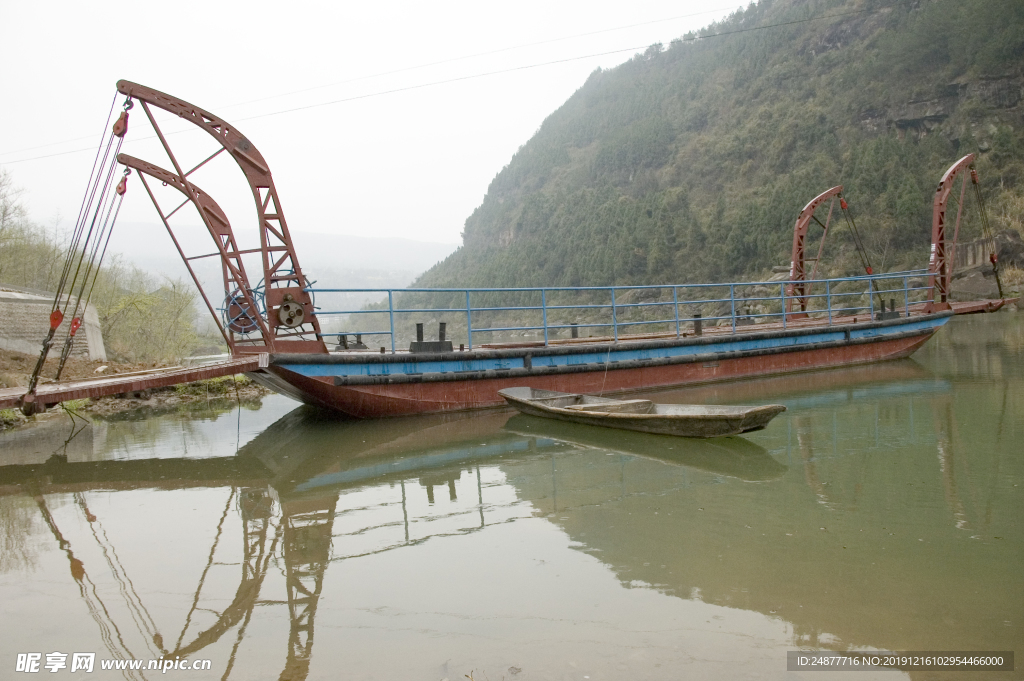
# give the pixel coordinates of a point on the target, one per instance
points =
(698, 329)
(419, 333)
(441, 331)
(573, 331)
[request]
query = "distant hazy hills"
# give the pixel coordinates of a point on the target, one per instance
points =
(691, 161)
(332, 260)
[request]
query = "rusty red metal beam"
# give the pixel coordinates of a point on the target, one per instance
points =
(797, 270)
(52, 393)
(233, 269)
(283, 277)
(940, 263)
(967, 306)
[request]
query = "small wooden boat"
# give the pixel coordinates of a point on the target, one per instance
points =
(686, 420)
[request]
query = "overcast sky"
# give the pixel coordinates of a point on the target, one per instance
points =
(411, 164)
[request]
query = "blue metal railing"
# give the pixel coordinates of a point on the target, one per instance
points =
(828, 303)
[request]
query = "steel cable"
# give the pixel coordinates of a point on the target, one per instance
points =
(987, 230)
(96, 205)
(82, 209)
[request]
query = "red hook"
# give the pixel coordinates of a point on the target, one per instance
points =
(76, 323)
(842, 203)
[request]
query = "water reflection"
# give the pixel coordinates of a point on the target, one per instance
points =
(882, 510)
(730, 456)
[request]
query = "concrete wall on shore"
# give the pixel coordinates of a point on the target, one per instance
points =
(25, 321)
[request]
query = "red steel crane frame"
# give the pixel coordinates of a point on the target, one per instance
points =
(940, 262)
(282, 330)
(800, 287)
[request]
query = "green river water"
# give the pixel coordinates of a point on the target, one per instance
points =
(883, 511)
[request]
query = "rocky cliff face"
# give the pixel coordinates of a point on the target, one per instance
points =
(690, 163)
(975, 108)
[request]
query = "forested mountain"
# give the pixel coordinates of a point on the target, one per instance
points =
(690, 163)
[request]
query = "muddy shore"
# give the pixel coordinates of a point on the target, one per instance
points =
(16, 367)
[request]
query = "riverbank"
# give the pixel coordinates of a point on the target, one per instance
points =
(218, 393)
(16, 367)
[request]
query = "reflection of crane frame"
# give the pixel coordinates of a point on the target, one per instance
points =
(255, 561)
(308, 530)
(282, 275)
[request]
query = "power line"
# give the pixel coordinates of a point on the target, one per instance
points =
(482, 75)
(533, 66)
(440, 82)
(414, 68)
(785, 23)
(481, 54)
(358, 97)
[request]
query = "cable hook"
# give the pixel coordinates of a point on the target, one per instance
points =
(128, 103)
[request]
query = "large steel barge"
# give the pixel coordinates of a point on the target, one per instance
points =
(660, 337)
(366, 384)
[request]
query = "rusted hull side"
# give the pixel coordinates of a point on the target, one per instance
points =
(430, 396)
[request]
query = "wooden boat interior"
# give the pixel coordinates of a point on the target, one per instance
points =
(606, 405)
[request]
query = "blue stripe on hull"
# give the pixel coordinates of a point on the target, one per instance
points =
(738, 343)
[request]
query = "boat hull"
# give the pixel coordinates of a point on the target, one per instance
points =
(696, 421)
(377, 386)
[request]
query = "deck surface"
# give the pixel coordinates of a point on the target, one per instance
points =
(54, 392)
(686, 331)
(976, 306)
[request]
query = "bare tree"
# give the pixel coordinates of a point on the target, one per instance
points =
(12, 212)
(143, 319)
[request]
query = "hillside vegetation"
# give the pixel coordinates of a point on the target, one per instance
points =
(690, 163)
(142, 319)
